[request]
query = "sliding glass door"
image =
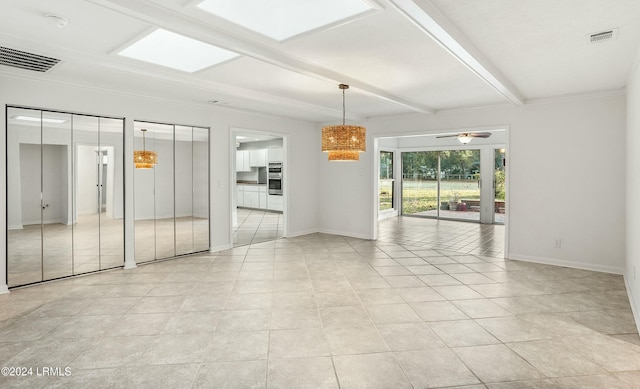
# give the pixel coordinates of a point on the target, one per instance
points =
(420, 183)
(441, 184)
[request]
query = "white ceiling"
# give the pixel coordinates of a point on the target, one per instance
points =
(406, 56)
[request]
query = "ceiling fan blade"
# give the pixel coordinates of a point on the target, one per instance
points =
(447, 136)
(480, 134)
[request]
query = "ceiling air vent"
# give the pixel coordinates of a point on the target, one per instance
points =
(603, 36)
(24, 60)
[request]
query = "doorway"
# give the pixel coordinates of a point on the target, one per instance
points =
(259, 187)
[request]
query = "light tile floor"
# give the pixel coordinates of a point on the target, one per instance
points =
(255, 226)
(324, 311)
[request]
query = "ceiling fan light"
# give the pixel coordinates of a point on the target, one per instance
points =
(464, 138)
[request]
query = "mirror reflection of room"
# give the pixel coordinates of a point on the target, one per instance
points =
(172, 194)
(64, 194)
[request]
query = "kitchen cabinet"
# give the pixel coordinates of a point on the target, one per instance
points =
(240, 196)
(243, 163)
(275, 203)
(258, 158)
(251, 196)
(275, 155)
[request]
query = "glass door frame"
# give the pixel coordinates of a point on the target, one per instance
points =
(438, 181)
(395, 204)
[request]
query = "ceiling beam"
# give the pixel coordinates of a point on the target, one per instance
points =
(215, 90)
(428, 18)
(169, 19)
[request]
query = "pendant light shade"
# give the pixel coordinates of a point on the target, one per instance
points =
(144, 159)
(344, 142)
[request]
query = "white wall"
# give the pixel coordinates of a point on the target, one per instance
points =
(302, 199)
(633, 192)
(567, 178)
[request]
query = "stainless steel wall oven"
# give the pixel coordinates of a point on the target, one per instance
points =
(275, 178)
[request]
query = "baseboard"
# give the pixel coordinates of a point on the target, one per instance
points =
(301, 233)
(15, 227)
(345, 233)
(222, 247)
(635, 310)
(387, 214)
(130, 265)
(571, 264)
(4, 289)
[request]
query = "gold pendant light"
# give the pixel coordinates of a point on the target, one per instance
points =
(144, 159)
(344, 142)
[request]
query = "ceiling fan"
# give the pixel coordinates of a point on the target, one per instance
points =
(465, 137)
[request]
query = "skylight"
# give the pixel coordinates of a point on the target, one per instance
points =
(176, 51)
(282, 19)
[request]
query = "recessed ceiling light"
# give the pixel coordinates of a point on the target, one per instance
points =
(282, 19)
(37, 119)
(176, 51)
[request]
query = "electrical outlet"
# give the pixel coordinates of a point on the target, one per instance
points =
(558, 243)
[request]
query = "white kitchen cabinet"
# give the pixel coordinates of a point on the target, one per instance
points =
(252, 196)
(243, 163)
(263, 198)
(240, 196)
(275, 203)
(251, 199)
(258, 158)
(275, 155)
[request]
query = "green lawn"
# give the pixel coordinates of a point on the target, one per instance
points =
(419, 196)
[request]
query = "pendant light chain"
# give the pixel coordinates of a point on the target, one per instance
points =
(344, 110)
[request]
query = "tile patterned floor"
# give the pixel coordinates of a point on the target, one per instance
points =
(255, 226)
(324, 311)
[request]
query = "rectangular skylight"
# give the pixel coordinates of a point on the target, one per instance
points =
(282, 19)
(176, 51)
(37, 119)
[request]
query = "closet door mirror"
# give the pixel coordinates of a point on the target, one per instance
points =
(144, 205)
(164, 195)
(57, 195)
(200, 189)
(24, 205)
(111, 193)
(64, 194)
(184, 189)
(172, 196)
(87, 166)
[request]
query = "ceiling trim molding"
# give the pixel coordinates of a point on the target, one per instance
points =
(173, 21)
(577, 96)
(428, 18)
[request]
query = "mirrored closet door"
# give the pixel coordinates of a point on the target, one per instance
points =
(171, 185)
(64, 194)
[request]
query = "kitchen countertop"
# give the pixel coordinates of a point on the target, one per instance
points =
(249, 183)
